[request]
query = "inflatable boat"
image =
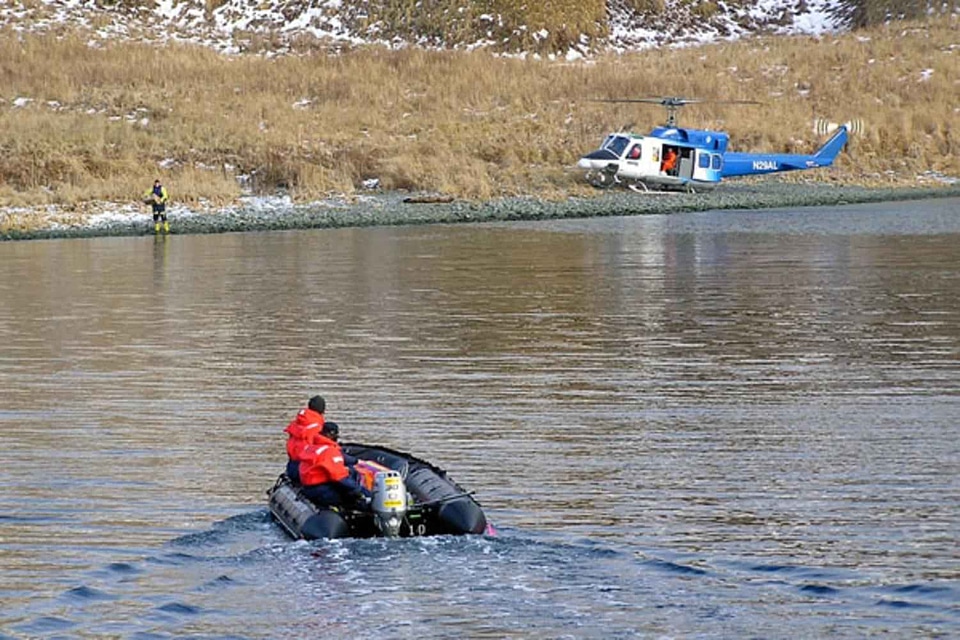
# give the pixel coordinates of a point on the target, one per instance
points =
(410, 497)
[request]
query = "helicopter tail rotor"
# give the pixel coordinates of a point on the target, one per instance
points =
(823, 127)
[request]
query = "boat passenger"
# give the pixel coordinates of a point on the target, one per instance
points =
(326, 478)
(301, 433)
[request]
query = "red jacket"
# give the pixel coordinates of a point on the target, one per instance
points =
(669, 160)
(302, 431)
(322, 462)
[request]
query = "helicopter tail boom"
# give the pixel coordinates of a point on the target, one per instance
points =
(748, 164)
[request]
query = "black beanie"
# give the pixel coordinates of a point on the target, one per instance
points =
(331, 430)
(318, 404)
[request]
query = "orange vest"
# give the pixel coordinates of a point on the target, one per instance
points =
(301, 432)
(669, 161)
(322, 462)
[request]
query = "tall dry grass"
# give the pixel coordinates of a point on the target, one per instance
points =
(507, 25)
(102, 123)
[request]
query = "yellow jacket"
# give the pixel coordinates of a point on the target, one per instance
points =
(163, 197)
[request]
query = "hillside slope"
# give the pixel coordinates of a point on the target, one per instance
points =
(565, 27)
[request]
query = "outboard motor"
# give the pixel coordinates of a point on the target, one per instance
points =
(389, 503)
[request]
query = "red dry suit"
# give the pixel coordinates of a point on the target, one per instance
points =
(302, 431)
(669, 161)
(322, 462)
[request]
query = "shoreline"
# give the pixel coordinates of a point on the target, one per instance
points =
(390, 209)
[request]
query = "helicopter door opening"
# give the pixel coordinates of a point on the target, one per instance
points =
(686, 163)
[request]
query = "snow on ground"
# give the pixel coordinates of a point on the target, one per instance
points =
(817, 20)
(227, 27)
(813, 17)
(98, 215)
(111, 214)
(678, 26)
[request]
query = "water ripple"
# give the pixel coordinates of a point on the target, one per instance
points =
(711, 425)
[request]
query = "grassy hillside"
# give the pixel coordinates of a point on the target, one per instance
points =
(80, 123)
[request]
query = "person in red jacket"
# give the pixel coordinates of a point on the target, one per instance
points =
(301, 432)
(669, 160)
(326, 479)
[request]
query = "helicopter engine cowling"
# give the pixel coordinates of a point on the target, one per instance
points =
(596, 160)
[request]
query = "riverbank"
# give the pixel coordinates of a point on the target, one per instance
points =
(80, 124)
(400, 208)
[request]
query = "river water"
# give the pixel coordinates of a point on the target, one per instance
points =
(715, 425)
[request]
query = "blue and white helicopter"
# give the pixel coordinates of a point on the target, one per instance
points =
(671, 158)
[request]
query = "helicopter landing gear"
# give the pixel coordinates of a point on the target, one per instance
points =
(602, 179)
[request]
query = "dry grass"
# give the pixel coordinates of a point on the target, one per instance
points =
(102, 123)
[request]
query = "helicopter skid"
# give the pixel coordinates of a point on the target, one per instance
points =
(641, 187)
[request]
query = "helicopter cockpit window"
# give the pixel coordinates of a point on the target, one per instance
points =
(616, 144)
(634, 152)
(704, 161)
(717, 161)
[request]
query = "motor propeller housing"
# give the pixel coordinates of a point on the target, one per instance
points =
(389, 502)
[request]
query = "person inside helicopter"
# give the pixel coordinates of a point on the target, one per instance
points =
(669, 161)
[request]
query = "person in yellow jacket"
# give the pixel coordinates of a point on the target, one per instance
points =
(157, 198)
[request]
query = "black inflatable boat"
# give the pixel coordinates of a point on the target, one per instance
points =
(411, 497)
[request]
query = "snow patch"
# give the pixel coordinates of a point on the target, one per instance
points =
(229, 27)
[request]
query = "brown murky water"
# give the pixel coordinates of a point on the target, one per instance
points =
(702, 424)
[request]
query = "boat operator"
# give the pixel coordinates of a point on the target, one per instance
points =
(324, 475)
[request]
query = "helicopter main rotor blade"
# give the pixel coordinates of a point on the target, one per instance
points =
(666, 102)
(732, 101)
(675, 102)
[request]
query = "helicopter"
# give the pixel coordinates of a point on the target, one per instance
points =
(673, 158)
